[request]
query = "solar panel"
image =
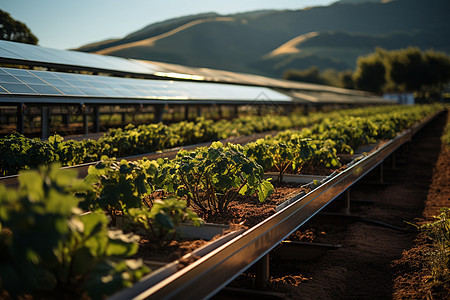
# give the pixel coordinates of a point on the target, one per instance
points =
(32, 53)
(43, 83)
(62, 58)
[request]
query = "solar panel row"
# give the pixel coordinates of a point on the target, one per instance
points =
(32, 54)
(35, 55)
(26, 52)
(44, 83)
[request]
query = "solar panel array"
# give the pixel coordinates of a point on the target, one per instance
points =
(31, 53)
(45, 83)
(63, 59)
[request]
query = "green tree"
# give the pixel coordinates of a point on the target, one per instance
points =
(311, 75)
(346, 79)
(16, 31)
(370, 74)
(331, 77)
(407, 69)
(438, 68)
(403, 70)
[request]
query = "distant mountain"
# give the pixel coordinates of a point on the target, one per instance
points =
(269, 42)
(148, 31)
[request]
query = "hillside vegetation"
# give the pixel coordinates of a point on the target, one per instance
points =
(328, 37)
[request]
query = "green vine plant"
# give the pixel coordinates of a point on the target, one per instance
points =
(118, 185)
(211, 177)
(126, 189)
(162, 221)
(281, 155)
(48, 249)
(19, 152)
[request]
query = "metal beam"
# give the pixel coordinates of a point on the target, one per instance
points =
(159, 109)
(45, 116)
(96, 119)
(262, 272)
(20, 118)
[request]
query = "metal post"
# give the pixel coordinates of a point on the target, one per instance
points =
(347, 201)
(186, 112)
(259, 110)
(20, 118)
(199, 111)
(45, 114)
(220, 111)
(65, 119)
(307, 109)
(96, 119)
(85, 122)
(262, 272)
(236, 111)
(158, 113)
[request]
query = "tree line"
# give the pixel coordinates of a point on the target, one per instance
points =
(16, 31)
(406, 70)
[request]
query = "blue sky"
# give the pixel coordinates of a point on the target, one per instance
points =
(64, 24)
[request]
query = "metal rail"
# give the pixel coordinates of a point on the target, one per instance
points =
(209, 274)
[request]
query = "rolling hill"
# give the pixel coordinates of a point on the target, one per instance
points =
(269, 42)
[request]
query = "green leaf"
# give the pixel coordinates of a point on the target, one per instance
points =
(264, 190)
(247, 169)
(121, 244)
(164, 220)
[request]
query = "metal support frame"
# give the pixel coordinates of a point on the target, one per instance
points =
(20, 118)
(96, 119)
(307, 109)
(262, 272)
(220, 109)
(66, 119)
(236, 111)
(159, 110)
(45, 116)
(85, 122)
(347, 201)
(186, 112)
(259, 110)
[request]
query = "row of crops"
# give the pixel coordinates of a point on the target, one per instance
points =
(20, 153)
(56, 238)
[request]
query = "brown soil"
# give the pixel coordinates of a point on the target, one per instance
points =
(412, 269)
(375, 262)
(243, 212)
(166, 252)
(248, 211)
